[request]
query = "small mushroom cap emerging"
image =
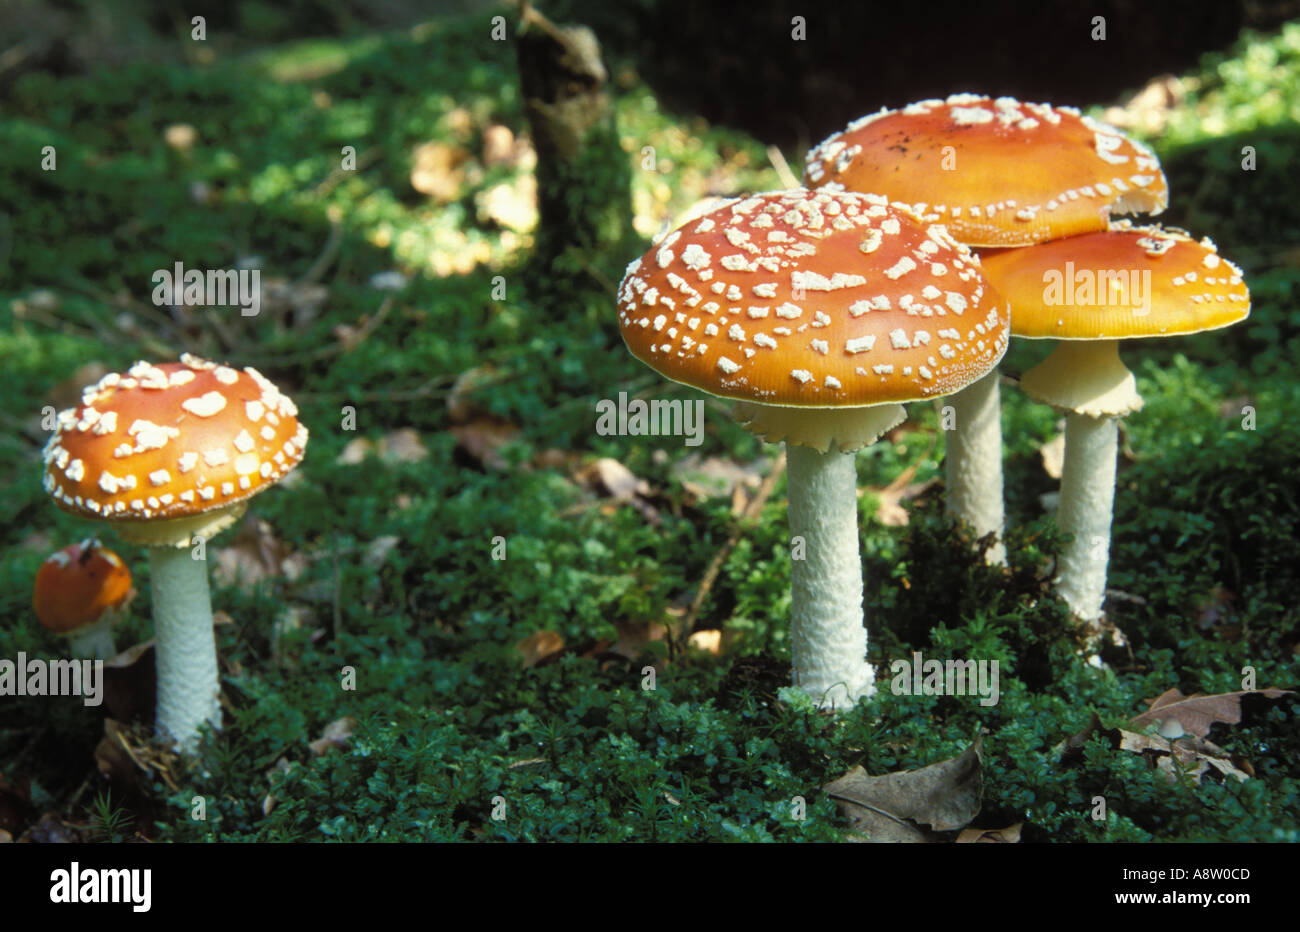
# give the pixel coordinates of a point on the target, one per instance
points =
(813, 299)
(996, 172)
(75, 586)
(172, 443)
(1124, 283)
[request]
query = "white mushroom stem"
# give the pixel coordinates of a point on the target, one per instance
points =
(186, 650)
(973, 461)
(1087, 500)
(827, 636)
(828, 639)
(1086, 381)
(95, 641)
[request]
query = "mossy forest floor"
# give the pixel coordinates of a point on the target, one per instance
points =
(473, 388)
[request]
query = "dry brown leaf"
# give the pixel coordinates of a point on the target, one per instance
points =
(461, 405)
(399, 446)
(893, 807)
(255, 554)
(1190, 757)
(1006, 836)
(1053, 456)
(709, 641)
(1071, 749)
(890, 512)
(483, 438)
(436, 170)
(336, 735)
(378, 550)
(511, 206)
(498, 145)
(1195, 714)
(633, 636)
(1215, 608)
(716, 477)
(355, 452)
(537, 647)
(402, 446)
(1148, 109)
(180, 136)
(610, 477)
(41, 542)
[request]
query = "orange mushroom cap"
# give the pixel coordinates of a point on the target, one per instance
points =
(1128, 282)
(75, 586)
(813, 299)
(996, 172)
(171, 441)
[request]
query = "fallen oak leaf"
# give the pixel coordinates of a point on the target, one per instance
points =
(539, 646)
(1005, 836)
(483, 438)
(890, 512)
(608, 476)
(1190, 758)
(255, 554)
(1175, 714)
(1070, 750)
(892, 807)
(336, 735)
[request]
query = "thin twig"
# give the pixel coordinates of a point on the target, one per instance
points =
(747, 517)
(777, 158)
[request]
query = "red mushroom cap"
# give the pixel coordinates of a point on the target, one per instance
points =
(76, 585)
(996, 172)
(813, 299)
(171, 441)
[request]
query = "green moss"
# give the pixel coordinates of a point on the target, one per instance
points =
(1205, 553)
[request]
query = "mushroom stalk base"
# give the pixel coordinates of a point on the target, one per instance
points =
(95, 641)
(973, 462)
(1087, 500)
(828, 639)
(186, 650)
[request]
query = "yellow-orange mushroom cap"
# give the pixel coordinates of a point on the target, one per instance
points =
(996, 172)
(1125, 283)
(1089, 292)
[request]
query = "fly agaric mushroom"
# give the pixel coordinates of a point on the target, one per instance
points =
(80, 592)
(169, 454)
(821, 313)
(997, 172)
(1088, 293)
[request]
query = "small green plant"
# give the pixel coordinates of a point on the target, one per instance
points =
(108, 823)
